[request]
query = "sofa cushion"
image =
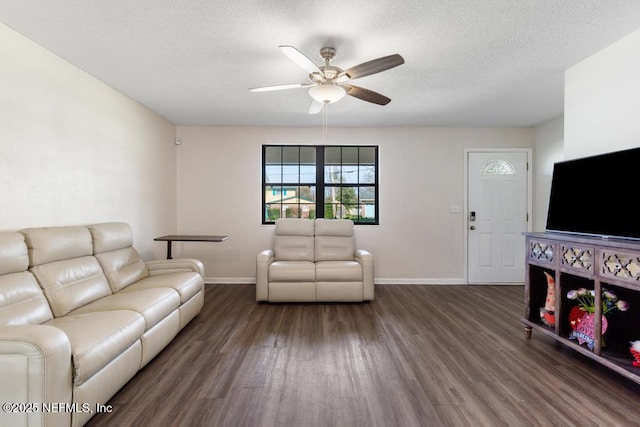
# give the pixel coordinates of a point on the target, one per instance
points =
(122, 267)
(109, 236)
(71, 283)
(186, 283)
(22, 301)
(13, 253)
(338, 271)
(153, 304)
(292, 271)
(98, 338)
(334, 240)
(113, 247)
(293, 240)
(50, 244)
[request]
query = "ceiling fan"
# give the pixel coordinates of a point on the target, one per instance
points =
(327, 84)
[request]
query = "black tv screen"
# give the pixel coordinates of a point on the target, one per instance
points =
(597, 195)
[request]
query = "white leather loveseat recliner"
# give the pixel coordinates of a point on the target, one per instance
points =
(314, 260)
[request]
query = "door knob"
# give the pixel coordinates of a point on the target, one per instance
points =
(472, 227)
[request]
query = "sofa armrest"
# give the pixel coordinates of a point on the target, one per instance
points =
(365, 258)
(163, 266)
(264, 259)
(35, 367)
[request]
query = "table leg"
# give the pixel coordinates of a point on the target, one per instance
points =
(169, 249)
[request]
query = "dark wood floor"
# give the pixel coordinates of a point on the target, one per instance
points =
(416, 356)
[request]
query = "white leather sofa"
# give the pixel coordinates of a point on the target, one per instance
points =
(314, 260)
(80, 314)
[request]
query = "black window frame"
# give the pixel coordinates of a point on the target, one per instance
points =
(320, 183)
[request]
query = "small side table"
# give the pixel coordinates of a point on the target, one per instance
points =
(188, 238)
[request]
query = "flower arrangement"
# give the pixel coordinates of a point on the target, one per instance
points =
(586, 300)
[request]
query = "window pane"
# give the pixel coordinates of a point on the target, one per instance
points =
(273, 211)
(290, 174)
(367, 156)
(291, 155)
(273, 155)
(367, 174)
(332, 174)
(273, 173)
(350, 155)
(272, 194)
(308, 173)
(332, 156)
(349, 174)
(308, 155)
(368, 213)
(307, 194)
(367, 195)
(291, 211)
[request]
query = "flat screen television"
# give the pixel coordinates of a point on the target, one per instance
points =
(597, 195)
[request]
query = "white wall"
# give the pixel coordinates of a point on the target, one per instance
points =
(549, 148)
(421, 175)
(75, 151)
(602, 100)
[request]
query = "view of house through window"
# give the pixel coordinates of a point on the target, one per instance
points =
(307, 181)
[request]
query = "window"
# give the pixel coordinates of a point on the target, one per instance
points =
(324, 181)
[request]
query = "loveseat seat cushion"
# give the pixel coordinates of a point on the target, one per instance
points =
(338, 271)
(187, 284)
(292, 271)
(71, 283)
(153, 304)
(98, 338)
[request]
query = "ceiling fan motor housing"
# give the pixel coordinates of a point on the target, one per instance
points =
(327, 53)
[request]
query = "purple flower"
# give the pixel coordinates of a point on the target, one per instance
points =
(622, 305)
(572, 294)
(609, 295)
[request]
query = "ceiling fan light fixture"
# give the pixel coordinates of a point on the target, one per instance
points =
(327, 93)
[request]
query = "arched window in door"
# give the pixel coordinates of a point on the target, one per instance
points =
(498, 167)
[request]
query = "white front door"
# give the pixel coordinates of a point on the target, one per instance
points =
(496, 216)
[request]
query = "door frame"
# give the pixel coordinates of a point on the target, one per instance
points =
(467, 151)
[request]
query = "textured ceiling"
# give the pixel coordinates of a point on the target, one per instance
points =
(468, 63)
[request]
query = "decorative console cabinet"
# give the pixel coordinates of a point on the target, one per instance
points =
(592, 265)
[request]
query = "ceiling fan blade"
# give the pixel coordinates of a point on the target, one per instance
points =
(366, 94)
(280, 87)
(371, 67)
(300, 59)
(315, 107)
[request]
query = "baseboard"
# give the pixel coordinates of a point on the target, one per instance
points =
(230, 280)
(418, 281)
(377, 281)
